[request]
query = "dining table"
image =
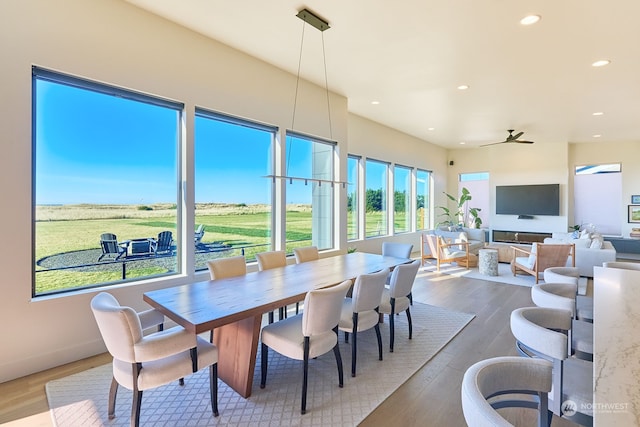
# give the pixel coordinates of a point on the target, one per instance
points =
(233, 307)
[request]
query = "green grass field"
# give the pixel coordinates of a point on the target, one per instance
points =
(64, 229)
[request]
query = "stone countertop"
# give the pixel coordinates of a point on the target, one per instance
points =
(616, 340)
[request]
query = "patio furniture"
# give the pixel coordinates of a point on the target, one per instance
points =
(199, 234)
(163, 244)
(142, 246)
(111, 248)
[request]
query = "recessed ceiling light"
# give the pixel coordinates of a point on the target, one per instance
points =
(375, 102)
(598, 113)
(597, 135)
(463, 87)
(431, 128)
(462, 142)
(530, 19)
(601, 63)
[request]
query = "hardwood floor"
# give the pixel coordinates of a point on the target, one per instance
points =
(430, 398)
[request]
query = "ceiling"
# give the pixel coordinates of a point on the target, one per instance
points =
(411, 56)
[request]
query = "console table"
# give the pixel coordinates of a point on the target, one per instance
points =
(625, 245)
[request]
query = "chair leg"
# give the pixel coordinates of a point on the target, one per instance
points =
(392, 329)
(346, 337)
(263, 365)
(113, 392)
(270, 317)
(305, 367)
(336, 352)
(137, 396)
(410, 323)
(354, 344)
(297, 307)
(377, 328)
(213, 388)
(410, 298)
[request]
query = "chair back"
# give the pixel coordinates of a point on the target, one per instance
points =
(271, 259)
(221, 268)
(109, 243)
(553, 255)
(367, 291)
(622, 265)
(322, 308)
(398, 250)
(537, 328)
(165, 238)
(501, 376)
(307, 253)
(430, 244)
(119, 326)
(199, 234)
(402, 278)
(555, 295)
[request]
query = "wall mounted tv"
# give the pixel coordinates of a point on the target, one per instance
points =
(543, 199)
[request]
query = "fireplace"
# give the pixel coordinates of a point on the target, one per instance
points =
(518, 236)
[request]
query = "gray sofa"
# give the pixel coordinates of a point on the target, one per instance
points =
(591, 250)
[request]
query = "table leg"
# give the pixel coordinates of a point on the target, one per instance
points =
(237, 349)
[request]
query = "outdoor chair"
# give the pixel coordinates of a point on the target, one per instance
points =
(111, 248)
(199, 234)
(541, 257)
(164, 243)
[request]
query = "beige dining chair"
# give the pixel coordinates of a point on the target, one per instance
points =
(544, 333)
(360, 311)
(142, 362)
(221, 268)
(306, 253)
(308, 335)
(398, 250)
(505, 382)
(396, 298)
(267, 261)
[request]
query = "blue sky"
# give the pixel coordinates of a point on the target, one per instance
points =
(94, 148)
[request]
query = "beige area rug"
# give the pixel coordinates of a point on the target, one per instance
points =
(81, 399)
(504, 275)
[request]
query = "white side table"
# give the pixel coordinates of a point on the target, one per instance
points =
(488, 262)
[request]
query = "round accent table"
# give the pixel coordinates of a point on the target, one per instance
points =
(488, 262)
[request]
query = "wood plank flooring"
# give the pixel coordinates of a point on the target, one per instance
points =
(430, 398)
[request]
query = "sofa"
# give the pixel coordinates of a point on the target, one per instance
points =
(591, 249)
(474, 236)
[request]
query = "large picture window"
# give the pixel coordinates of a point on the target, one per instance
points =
(376, 181)
(105, 190)
(401, 199)
(423, 200)
(309, 192)
(353, 201)
(233, 197)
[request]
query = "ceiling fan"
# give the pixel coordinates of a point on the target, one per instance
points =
(511, 139)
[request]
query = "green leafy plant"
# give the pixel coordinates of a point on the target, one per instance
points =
(462, 214)
(351, 249)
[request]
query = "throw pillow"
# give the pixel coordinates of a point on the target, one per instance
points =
(584, 234)
(445, 249)
(597, 243)
(582, 243)
(532, 257)
(575, 234)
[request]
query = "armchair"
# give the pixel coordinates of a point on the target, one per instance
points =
(445, 252)
(541, 257)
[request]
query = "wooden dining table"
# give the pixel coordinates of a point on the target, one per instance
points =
(233, 307)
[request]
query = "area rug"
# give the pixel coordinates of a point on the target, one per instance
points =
(504, 275)
(81, 399)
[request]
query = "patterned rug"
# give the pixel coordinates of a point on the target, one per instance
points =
(81, 399)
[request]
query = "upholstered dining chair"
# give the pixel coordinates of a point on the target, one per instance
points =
(398, 250)
(396, 298)
(487, 384)
(308, 335)
(221, 268)
(543, 333)
(306, 253)
(267, 261)
(360, 311)
(142, 362)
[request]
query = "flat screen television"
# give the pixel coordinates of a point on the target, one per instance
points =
(542, 199)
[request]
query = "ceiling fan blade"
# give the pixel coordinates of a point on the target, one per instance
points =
(523, 142)
(494, 143)
(514, 137)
